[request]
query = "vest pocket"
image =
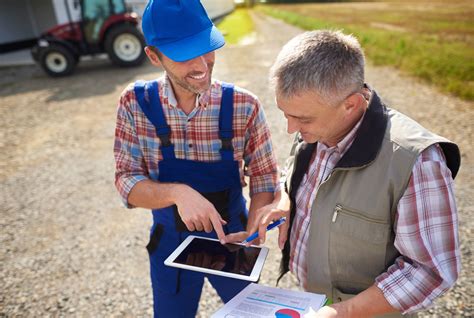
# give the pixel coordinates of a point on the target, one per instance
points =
(357, 248)
(155, 239)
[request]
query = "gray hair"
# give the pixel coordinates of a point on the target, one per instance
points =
(328, 62)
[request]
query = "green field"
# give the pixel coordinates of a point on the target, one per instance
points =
(431, 40)
(236, 25)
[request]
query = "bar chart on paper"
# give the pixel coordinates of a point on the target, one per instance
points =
(263, 301)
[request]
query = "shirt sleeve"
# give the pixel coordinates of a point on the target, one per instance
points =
(130, 166)
(426, 235)
(260, 161)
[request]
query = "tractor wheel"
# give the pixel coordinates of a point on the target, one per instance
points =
(124, 44)
(57, 60)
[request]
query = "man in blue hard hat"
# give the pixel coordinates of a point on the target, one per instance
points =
(183, 144)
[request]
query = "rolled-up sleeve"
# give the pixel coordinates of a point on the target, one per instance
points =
(426, 236)
(130, 167)
(259, 157)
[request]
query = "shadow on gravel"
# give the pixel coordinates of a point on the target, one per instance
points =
(91, 78)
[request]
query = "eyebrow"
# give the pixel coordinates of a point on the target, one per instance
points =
(293, 116)
(300, 117)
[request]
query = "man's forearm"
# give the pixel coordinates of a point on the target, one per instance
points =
(369, 303)
(154, 195)
(259, 200)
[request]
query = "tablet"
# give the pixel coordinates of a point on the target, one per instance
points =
(210, 256)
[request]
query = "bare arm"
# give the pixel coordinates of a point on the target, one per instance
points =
(257, 201)
(195, 211)
(154, 195)
(280, 207)
(262, 212)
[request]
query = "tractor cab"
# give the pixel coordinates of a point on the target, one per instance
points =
(97, 15)
(87, 27)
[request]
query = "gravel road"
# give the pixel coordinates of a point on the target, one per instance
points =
(67, 246)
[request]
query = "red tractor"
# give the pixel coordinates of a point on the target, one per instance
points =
(89, 27)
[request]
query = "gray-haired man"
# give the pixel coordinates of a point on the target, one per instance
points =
(369, 192)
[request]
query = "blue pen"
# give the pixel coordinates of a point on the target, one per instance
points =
(269, 227)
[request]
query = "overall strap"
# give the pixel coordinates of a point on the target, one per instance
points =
(226, 115)
(153, 110)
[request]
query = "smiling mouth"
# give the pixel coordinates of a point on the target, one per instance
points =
(198, 77)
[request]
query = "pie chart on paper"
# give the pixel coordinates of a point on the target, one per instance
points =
(287, 313)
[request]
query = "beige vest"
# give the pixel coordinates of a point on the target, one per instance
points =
(351, 238)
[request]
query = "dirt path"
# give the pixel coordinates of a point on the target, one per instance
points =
(68, 247)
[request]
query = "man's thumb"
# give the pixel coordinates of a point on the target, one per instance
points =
(282, 236)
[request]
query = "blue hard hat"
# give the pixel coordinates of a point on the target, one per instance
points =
(180, 29)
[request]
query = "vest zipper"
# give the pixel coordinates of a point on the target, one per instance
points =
(338, 209)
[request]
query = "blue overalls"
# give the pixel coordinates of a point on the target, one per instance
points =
(176, 292)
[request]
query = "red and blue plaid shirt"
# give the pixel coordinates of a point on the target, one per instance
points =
(194, 135)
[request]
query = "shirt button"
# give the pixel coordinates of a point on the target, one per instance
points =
(190, 145)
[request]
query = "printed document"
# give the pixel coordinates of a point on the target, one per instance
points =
(257, 301)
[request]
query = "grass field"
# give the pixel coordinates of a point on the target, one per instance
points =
(432, 40)
(236, 25)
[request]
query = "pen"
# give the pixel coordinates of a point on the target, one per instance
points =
(269, 227)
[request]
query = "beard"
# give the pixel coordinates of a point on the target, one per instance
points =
(193, 88)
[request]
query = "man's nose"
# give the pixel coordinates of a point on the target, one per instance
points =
(200, 64)
(292, 126)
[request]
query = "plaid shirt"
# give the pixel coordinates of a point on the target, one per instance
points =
(195, 137)
(426, 228)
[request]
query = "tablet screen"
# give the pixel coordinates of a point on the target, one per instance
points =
(230, 258)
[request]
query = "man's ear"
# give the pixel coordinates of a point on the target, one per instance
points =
(152, 56)
(354, 102)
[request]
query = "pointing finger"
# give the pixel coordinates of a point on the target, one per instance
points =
(217, 225)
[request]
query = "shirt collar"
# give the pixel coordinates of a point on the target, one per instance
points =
(170, 98)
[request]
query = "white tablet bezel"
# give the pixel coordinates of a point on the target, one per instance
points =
(253, 277)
